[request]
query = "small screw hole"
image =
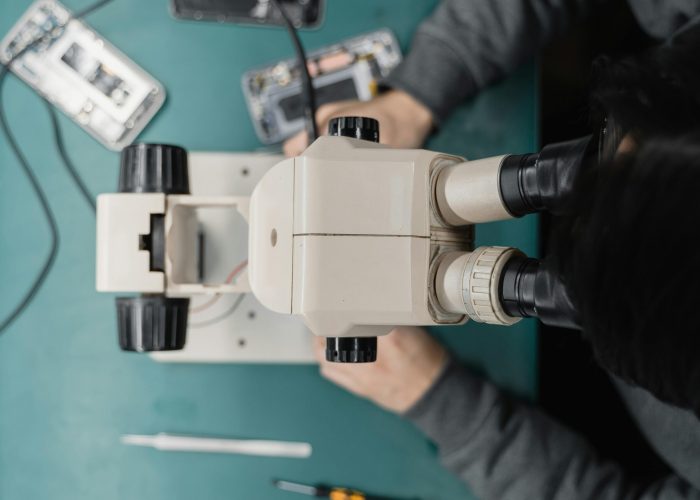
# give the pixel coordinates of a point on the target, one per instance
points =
(241, 342)
(245, 171)
(251, 315)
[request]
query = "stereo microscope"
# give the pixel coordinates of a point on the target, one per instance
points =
(353, 236)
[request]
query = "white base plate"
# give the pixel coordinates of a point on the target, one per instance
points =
(252, 334)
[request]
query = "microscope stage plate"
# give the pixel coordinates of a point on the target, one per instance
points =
(251, 334)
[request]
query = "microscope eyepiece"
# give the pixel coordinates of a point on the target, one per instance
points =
(517, 287)
(351, 349)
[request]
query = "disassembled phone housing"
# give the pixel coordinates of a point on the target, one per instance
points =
(82, 74)
(349, 69)
(303, 13)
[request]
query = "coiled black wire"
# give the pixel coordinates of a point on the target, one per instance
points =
(37, 283)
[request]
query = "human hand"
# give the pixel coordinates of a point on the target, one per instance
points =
(408, 363)
(404, 122)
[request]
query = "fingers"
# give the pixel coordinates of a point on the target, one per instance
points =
(319, 348)
(405, 121)
(296, 145)
(299, 142)
(409, 362)
(340, 375)
(332, 110)
(352, 377)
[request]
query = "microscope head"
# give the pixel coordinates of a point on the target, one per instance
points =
(347, 236)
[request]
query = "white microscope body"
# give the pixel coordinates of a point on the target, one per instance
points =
(353, 236)
(350, 236)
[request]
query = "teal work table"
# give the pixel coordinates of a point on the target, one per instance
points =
(66, 391)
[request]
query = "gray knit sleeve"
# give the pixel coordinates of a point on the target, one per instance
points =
(503, 449)
(466, 45)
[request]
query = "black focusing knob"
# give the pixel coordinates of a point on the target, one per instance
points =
(152, 323)
(359, 127)
(351, 349)
(154, 168)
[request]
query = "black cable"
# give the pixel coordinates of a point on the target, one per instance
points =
(216, 319)
(90, 9)
(31, 176)
(46, 208)
(67, 163)
(307, 88)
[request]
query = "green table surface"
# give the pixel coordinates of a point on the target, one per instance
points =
(66, 391)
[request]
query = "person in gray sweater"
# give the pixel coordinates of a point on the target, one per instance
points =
(467, 45)
(506, 449)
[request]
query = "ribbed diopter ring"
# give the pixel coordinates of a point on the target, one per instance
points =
(481, 285)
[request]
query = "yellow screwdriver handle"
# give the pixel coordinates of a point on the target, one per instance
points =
(342, 494)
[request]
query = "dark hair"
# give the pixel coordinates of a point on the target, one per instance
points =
(635, 267)
(628, 252)
(655, 93)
